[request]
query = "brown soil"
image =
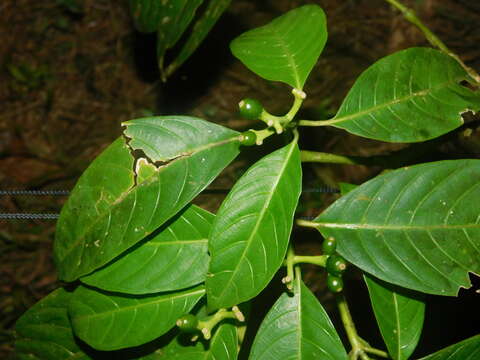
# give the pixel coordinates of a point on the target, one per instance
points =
(68, 79)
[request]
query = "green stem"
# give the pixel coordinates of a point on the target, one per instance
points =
(298, 96)
(289, 262)
(320, 260)
(412, 17)
(260, 135)
(306, 223)
(321, 157)
(280, 122)
(359, 346)
(207, 325)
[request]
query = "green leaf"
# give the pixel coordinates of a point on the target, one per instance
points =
(412, 95)
(345, 188)
(222, 346)
(249, 237)
(287, 48)
(468, 349)
(400, 313)
(297, 327)
(416, 227)
(166, 16)
(109, 321)
(176, 257)
(200, 30)
(176, 16)
(44, 331)
(120, 198)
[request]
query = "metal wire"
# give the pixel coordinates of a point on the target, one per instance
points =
(54, 216)
(27, 216)
(34, 192)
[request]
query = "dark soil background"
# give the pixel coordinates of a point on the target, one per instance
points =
(70, 75)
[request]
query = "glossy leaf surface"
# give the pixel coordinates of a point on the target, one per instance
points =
(250, 233)
(412, 95)
(109, 322)
(120, 199)
(416, 227)
(287, 48)
(399, 313)
(44, 331)
(297, 327)
(468, 349)
(176, 257)
(200, 29)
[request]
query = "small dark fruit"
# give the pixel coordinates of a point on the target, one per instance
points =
(250, 108)
(187, 323)
(336, 265)
(248, 138)
(334, 283)
(329, 246)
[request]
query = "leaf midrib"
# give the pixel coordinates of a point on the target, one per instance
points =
(356, 226)
(260, 217)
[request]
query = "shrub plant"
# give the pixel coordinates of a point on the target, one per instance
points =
(148, 275)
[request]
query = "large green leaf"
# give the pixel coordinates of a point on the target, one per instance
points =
(108, 321)
(249, 237)
(468, 349)
(416, 227)
(44, 331)
(297, 327)
(287, 48)
(121, 199)
(400, 313)
(174, 258)
(200, 30)
(412, 95)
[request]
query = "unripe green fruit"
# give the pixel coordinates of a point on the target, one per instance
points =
(336, 265)
(329, 246)
(250, 108)
(334, 283)
(187, 323)
(249, 138)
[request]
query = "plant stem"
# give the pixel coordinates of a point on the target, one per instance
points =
(412, 17)
(289, 262)
(322, 157)
(320, 260)
(262, 135)
(306, 223)
(280, 122)
(359, 346)
(207, 325)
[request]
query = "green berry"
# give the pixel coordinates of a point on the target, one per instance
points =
(334, 283)
(248, 138)
(329, 246)
(250, 108)
(187, 323)
(336, 265)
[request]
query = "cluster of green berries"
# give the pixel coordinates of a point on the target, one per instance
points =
(335, 266)
(249, 109)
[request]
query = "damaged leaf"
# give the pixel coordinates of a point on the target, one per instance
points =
(119, 200)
